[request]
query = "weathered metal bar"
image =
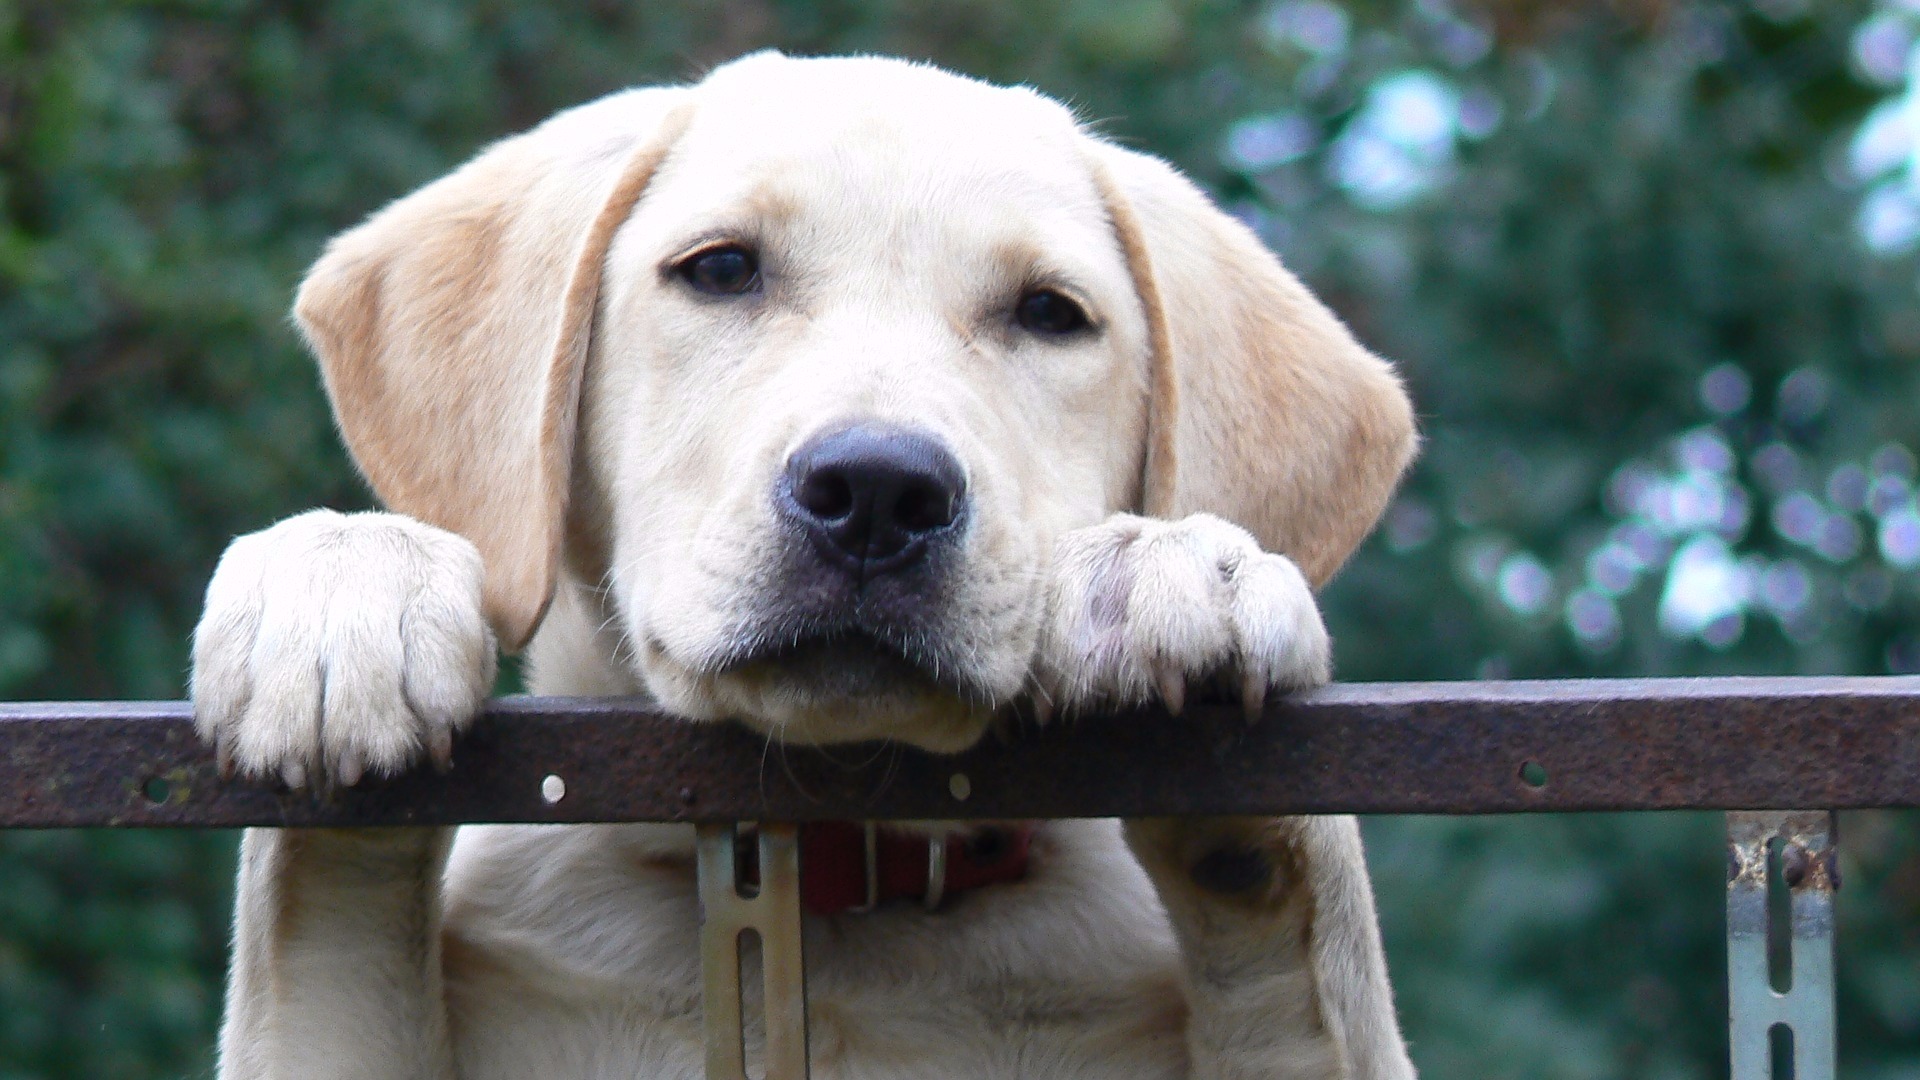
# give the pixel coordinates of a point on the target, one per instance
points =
(1444, 748)
(1781, 1022)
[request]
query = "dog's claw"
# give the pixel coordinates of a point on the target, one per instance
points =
(350, 769)
(1173, 687)
(440, 749)
(1253, 697)
(294, 775)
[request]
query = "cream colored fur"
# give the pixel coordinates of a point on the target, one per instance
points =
(578, 450)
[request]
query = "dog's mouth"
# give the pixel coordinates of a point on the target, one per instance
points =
(845, 663)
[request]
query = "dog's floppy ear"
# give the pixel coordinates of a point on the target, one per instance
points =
(452, 328)
(1264, 410)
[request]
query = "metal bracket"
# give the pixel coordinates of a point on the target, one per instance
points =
(870, 838)
(773, 913)
(936, 873)
(1780, 972)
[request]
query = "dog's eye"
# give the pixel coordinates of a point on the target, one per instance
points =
(728, 270)
(1045, 311)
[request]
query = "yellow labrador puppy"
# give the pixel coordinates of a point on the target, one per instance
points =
(851, 399)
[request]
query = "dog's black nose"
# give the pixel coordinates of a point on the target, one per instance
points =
(871, 496)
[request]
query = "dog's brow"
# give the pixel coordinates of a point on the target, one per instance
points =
(1022, 260)
(764, 208)
(770, 204)
(1024, 264)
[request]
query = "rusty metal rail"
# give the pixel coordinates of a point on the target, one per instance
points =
(1749, 746)
(1439, 748)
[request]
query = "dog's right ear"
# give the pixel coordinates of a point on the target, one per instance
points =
(453, 326)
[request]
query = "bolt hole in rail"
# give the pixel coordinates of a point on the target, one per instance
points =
(1778, 754)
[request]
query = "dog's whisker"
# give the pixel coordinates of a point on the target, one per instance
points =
(895, 754)
(786, 766)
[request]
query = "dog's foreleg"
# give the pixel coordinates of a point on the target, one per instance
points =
(337, 646)
(1285, 971)
(336, 965)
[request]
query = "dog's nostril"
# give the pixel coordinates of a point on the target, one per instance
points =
(826, 495)
(923, 508)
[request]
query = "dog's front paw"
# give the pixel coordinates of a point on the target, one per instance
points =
(335, 645)
(1138, 607)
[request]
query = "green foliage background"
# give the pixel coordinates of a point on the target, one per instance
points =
(1667, 386)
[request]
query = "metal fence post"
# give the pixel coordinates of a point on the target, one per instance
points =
(773, 913)
(1780, 970)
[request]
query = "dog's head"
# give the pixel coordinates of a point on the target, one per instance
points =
(800, 371)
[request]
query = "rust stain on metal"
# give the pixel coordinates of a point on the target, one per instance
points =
(1808, 859)
(1350, 748)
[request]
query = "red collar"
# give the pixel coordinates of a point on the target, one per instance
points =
(848, 866)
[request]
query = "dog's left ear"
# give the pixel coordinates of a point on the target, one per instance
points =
(1264, 409)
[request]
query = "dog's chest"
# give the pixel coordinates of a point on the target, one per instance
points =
(922, 1032)
(588, 967)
